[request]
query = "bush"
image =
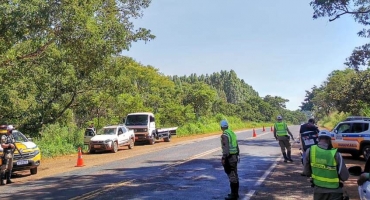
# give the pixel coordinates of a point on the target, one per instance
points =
(55, 140)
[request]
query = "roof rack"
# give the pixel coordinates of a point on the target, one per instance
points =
(352, 118)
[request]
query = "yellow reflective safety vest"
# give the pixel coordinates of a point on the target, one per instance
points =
(281, 129)
(324, 167)
(233, 143)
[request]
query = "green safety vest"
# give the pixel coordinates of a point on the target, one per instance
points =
(281, 129)
(233, 144)
(324, 167)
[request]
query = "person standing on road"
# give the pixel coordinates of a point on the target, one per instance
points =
(230, 158)
(281, 131)
(326, 168)
(7, 143)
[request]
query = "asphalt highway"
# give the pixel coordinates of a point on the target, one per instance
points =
(190, 170)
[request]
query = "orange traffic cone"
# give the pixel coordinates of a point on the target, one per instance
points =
(263, 129)
(80, 161)
(254, 133)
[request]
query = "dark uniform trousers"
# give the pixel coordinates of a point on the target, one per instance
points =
(231, 169)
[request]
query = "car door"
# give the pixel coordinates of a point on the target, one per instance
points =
(120, 136)
(125, 135)
(344, 135)
(89, 133)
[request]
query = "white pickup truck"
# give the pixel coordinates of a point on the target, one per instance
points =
(111, 138)
(143, 124)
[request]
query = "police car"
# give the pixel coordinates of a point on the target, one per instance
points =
(352, 136)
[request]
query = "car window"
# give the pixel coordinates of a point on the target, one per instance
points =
(19, 137)
(107, 131)
(366, 126)
(357, 128)
(120, 131)
(124, 129)
(89, 132)
(344, 128)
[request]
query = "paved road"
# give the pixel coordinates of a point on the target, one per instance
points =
(185, 171)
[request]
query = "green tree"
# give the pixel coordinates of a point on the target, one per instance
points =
(359, 10)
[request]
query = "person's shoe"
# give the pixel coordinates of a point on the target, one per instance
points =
(232, 197)
(290, 159)
(8, 175)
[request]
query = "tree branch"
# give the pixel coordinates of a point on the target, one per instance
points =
(349, 12)
(31, 55)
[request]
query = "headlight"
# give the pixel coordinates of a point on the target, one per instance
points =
(36, 152)
(107, 141)
(145, 129)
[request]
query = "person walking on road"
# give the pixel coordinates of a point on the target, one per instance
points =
(7, 143)
(281, 131)
(326, 168)
(230, 158)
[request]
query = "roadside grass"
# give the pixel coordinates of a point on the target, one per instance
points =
(209, 125)
(57, 140)
(333, 119)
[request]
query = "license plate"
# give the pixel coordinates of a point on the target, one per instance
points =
(96, 146)
(22, 162)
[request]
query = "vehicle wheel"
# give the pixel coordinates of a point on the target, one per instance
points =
(33, 171)
(132, 144)
(115, 147)
(366, 151)
(152, 141)
(167, 139)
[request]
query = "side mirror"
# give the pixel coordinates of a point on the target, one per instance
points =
(123, 120)
(355, 170)
(335, 131)
(30, 139)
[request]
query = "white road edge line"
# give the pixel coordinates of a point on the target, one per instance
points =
(250, 194)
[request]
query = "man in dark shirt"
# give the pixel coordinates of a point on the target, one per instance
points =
(309, 126)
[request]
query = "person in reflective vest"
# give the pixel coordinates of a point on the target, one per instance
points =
(325, 165)
(230, 158)
(281, 131)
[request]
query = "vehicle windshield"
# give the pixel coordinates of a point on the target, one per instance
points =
(136, 120)
(19, 137)
(107, 131)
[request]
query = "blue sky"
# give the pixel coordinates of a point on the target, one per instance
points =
(274, 45)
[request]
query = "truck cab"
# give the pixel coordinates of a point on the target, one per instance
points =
(143, 124)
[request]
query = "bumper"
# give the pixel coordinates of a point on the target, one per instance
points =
(31, 164)
(101, 146)
(141, 137)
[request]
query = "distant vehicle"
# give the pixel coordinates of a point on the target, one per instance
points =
(89, 133)
(31, 158)
(143, 124)
(111, 138)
